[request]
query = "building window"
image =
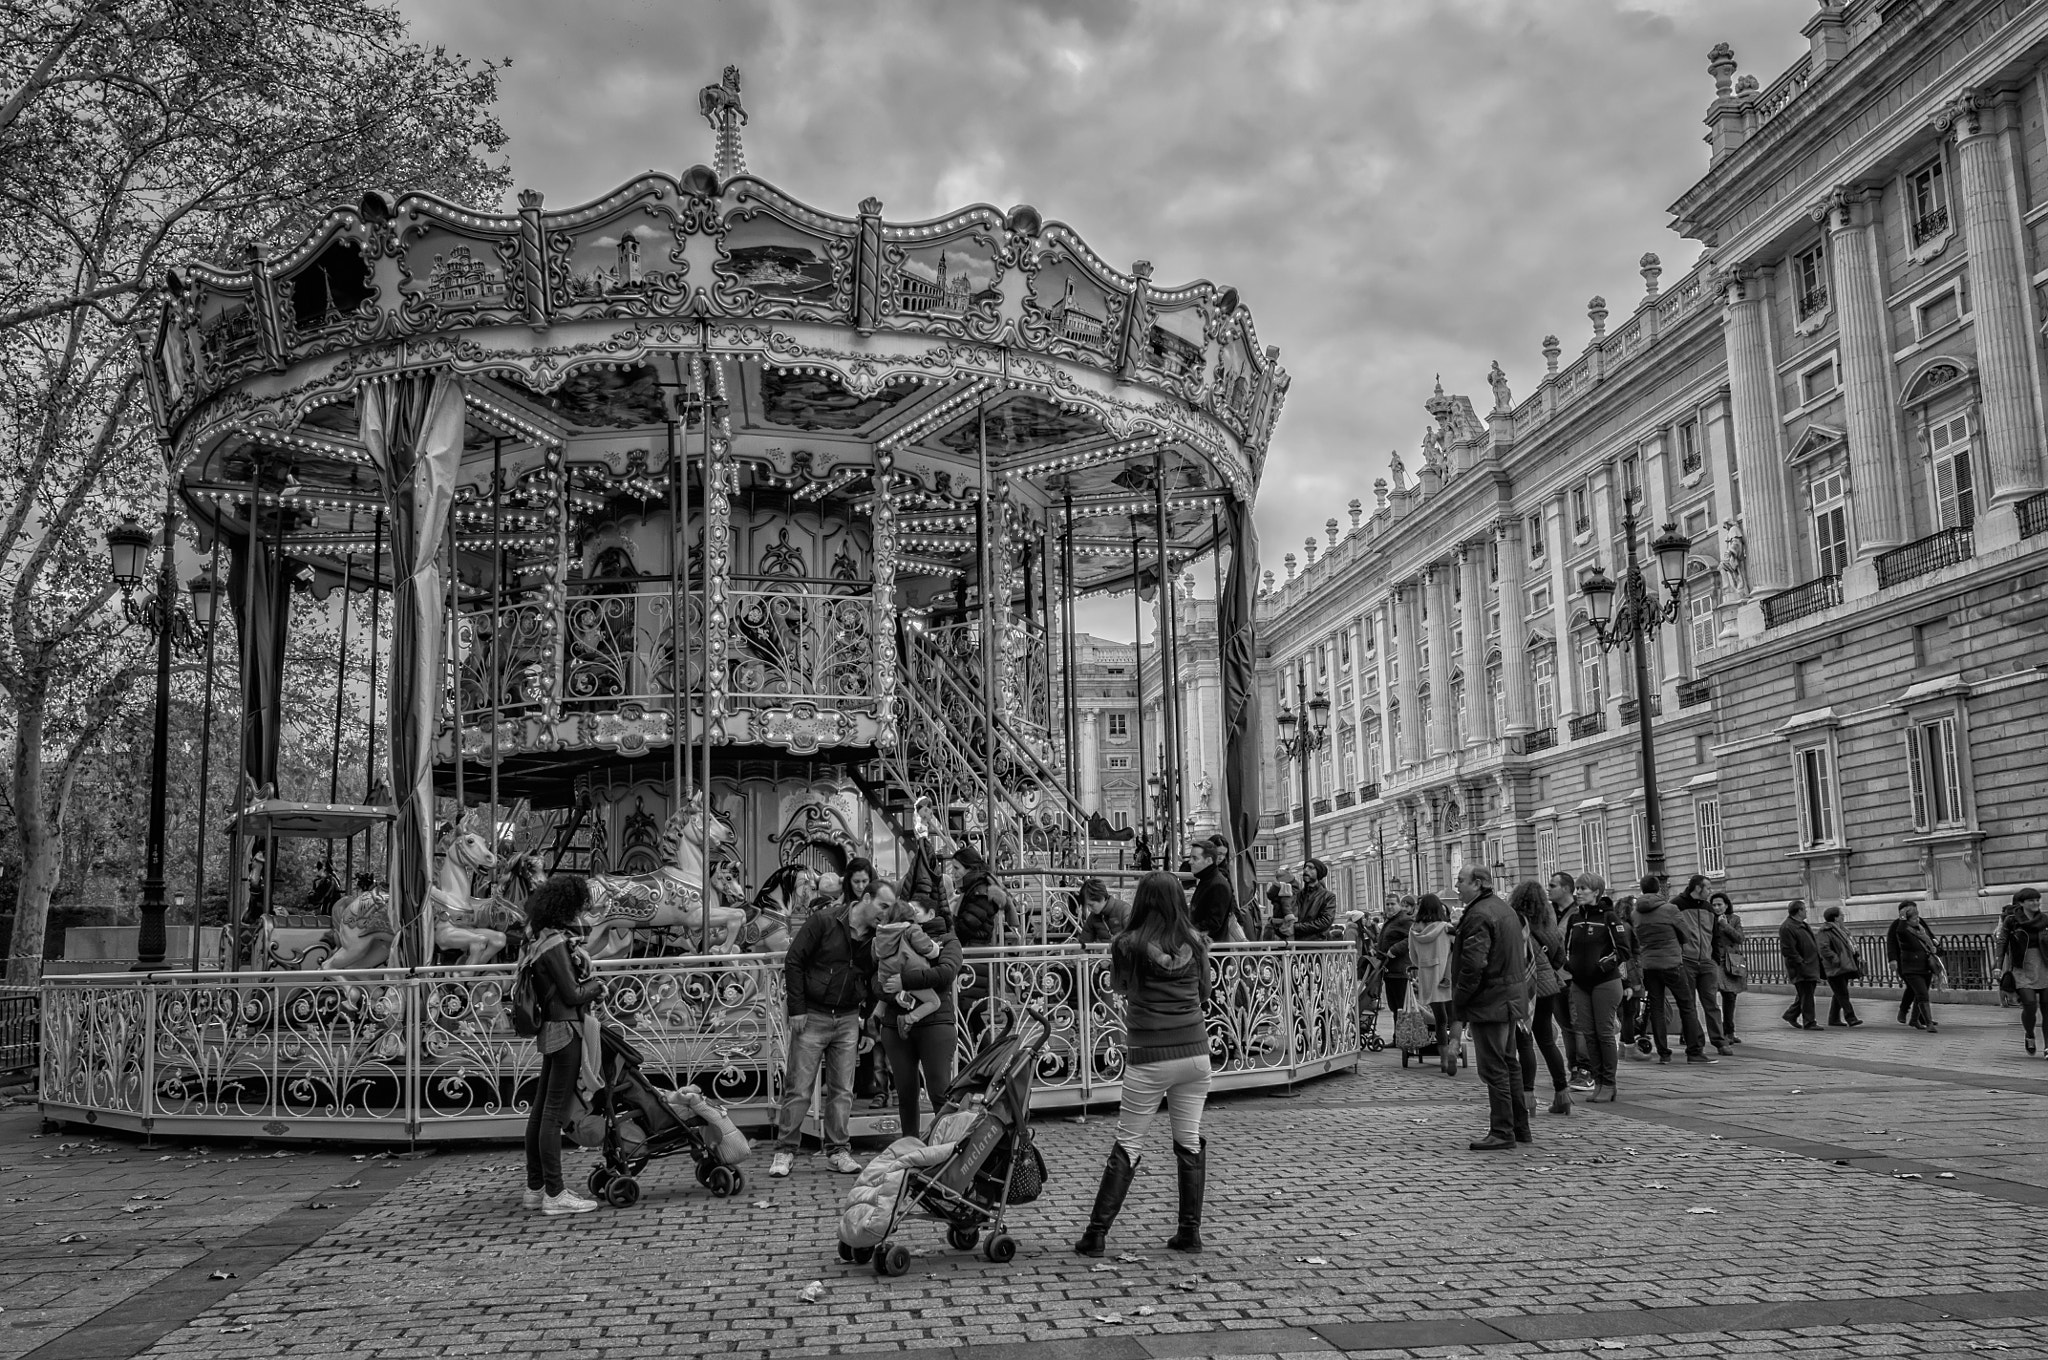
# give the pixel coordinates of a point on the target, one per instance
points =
(1937, 313)
(1497, 699)
(1699, 617)
(1119, 818)
(1591, 695)
(1117, 762)
(1546, 852)
(1394, 725)
(1119, 724)
(1582, 515)
(1543, 669)
(1375, 755)
(1457, 637)
(1955, 493)
(1706, 830)
(1810, 280)
(1372, 684)
(1493, 622)
(1638, 845)
(1816, 777)
(1461, 721)
(1831, 523)
(1536, 538)
(1344, 649)
(1539, 599)
(1690, 459)
(1699, 523)
(1593, 846)
(1928, 188)
(1422, 713)
(1817, 382)
(1936, 772)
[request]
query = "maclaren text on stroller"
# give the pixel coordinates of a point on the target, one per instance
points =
(642, 1124)
(981, 1160)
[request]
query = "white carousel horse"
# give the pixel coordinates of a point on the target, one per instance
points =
(671, 897)
(458, 920)
(363, 931)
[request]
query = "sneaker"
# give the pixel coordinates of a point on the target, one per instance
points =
(1854, 1022)
(1583, 1081)
(568, 1202)
(532, 1199)
(842, 1161)
(781, 1165)
(1700, 1058)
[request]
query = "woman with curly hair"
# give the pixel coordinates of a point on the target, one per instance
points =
(565, 986)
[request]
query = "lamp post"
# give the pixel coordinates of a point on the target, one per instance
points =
(1300, 737)
(1635, 619)
(128, 545)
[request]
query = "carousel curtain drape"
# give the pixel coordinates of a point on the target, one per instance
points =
(1240, 695)
(271, 601)
(412, 426)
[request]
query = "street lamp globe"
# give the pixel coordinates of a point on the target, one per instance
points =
(1286, 720)
(1598, 588)
(1319, 711)
(205, 593)
(127, 550)
(1671, 546)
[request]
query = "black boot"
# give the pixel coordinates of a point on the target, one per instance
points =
(1194, 1172)
(1109, 1198)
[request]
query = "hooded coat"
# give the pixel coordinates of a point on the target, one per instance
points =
(1429, 952)
(1660, 934)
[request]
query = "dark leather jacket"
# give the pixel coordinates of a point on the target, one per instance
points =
(563, 994)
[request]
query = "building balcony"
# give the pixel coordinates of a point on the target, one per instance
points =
(1542, 739)
(1295, 815)
(1800, 601)
(1631, 710)
(1368, 792)
(2033, 513)
(1322, 806)
(1812, 300)
(1588, 725)
(1693, 693)
(1944, 548)
(1930, 225)
(1346, 799)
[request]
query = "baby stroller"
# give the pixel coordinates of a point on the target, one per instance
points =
(641, 1124)
(981, 1160)
(1415, 1029)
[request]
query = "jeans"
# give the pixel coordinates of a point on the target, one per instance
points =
(1548, 1016)
(1800, 1012)
(550, 1110)
(1182, 1082)
(1397, 992)
(1493, 1044)
(927, 1049)
(1840, 1008)
(2033, 1000)
(1706, 981)
(1446, 1029)
(1728, 1015)
(1593, 1020)
(1913, 1005)
(1674, 984)
(826, 1043)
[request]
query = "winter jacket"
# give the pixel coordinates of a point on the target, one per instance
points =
(1660, 942)
(864, 1222)
(562, 994)
(1491, 976)
(1695, 930)
(1800, 949)
(1165, 1001)
(1393, 945)
(1100, 927)
(2020, 934)
(1910, 944)
(1595, 951)
(1728, 937)
(1314, 913)
(935, 975)
(983, 906)
(826, 969)
(1429, 951)
(1214, 903)
(1837, 951)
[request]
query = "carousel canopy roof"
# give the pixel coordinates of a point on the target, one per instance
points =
(308, 821)
(827, 346)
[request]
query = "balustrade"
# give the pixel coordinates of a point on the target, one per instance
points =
(1692, 693)
(1943, 548)
(2033, 515)
(1588, 725)
(1788, 605)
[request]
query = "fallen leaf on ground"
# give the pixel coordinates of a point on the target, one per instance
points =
(1906, 1175)
(222, 1275)
(1944, 1175)
(319, 1204)
(1101, 1268)
(73, 1237)
(350, 1185)
(813, 1291)
(1129, 1258)
(243, 1328)
(1147, 1310)
(764, 1204)
(1109, 1317)
(1702, 1209)
(1311, 1260)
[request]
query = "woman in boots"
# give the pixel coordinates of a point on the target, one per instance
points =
(1161, 966)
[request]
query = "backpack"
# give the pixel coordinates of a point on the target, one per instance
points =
(527, 1012)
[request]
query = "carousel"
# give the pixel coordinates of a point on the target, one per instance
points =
(704, 542)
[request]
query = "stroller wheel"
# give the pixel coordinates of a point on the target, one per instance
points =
(1373, 1043)
(845, 1252)
(1000, 1249)
(863, 1255)
(723, 1181)
(739, 1180)
(600, 1177)
(893, 1259)
(622, 1193)
(962, 1239)
(704, 1166)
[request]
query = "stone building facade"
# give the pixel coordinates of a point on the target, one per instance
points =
(1842, 405)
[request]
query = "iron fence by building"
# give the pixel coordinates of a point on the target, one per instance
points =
(1968, 958)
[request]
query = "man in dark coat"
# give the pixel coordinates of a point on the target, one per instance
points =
(1315, 913)
(1489, 984)
(826, 973)
(1802, 964)
(1214, 904)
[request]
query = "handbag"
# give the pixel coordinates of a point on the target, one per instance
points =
(1414, 1029)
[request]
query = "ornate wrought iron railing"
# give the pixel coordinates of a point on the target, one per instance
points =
(514, 677)
(1823, 592)
(1368, 792)
(1969, 961)
(425, 1054)
(1929, 225)
(1943, 548)
(1542, 739)
(1693, 693)
(1588, 725)
(2033, 514)
(1631, 710)
(619, 644)
(785, 644)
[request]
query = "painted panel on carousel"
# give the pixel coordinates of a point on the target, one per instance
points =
(768, 267)
(605, 398)
(1174, 345)
(1074, 310)
(222, 317)
(951, 286)
(1021, 424)
(326, 291)
(630, 263)
(452, 274)
(806, 401)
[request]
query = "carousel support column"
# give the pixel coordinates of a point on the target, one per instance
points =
(497, 687)
(370, 749)
(151, 943)
(1174, 759)
(678, 738)
(454, 673)
(721, 483)
(1069, 701)
(245, 629)
(882, 628)
(984, 561)
(348, 572)
(1138, 643)
(206, 753)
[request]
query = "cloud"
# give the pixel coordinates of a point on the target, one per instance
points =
(1398, 188)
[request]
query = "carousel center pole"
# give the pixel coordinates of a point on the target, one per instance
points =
(370, 755)
(706, 375)
(678, 565)
(1138, 642)
(1069, 720)
(348, 573)
(985, 566)
(1172, 757)
(496, 692)
(205, 754)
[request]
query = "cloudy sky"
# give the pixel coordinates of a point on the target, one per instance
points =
(1397, 187)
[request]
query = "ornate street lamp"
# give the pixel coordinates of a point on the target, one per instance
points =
(1631, 611)
(128, 547)
(1301, 737)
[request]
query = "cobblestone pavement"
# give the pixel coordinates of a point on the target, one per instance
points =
(1830, 1194)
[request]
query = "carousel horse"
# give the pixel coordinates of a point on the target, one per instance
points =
(459, 919)
(671, 897)
(363, 928)
(775, 908)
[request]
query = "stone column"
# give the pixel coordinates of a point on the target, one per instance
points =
(1561, 609)
(1514, 628)
(1408, 607)
(1759, 458)
(1478, 706)
(1381, 621)
(1436, 579)
(1998, 293)
(1090, 757)
(1870, 415)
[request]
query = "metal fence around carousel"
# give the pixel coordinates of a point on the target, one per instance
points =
(429, 1053)
(1969, 960)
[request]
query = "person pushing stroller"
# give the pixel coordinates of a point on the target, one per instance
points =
(901, 944)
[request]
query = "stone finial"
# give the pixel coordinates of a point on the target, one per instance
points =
(1651, 269)
(871, 206)
(1746, 84)
(1310, 544)
(1330, 528)
(1288, 562)
(1551, 349)
(1379, 493)
(1268, 589)
(531, 198)
(1596, 312)
(1357, 513)
(1721, 66)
